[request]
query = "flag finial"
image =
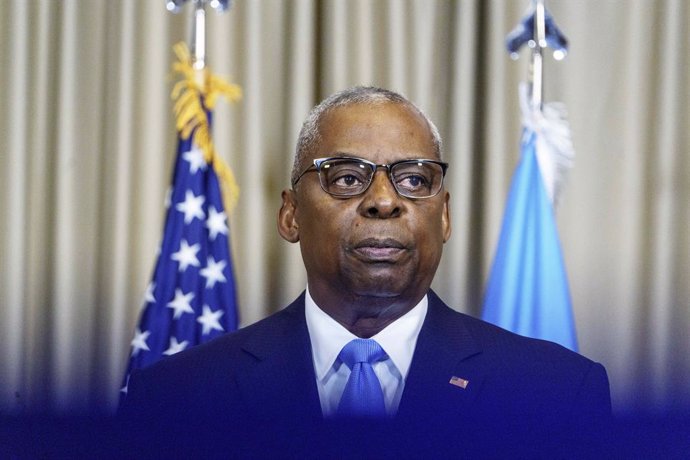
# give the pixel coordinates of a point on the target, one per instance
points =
(198, 39)
(175, 6)
(539, 31)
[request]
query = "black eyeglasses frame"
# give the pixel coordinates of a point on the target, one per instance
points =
(318, 162)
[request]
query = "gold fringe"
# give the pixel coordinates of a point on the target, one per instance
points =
(191, 102)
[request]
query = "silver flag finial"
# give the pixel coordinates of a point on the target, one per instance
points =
(198, 39)
(539, 31)
(220, 6)
(537, 28)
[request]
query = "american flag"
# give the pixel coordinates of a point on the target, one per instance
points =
(191, 298)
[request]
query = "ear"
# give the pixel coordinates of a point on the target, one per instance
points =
(287, 224)
(445, 218)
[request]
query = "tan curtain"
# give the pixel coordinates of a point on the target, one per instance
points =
(87, 144)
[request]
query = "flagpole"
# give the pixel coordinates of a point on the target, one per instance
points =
(198, 36)
(198, 40)
(538, 31)
(537, 62)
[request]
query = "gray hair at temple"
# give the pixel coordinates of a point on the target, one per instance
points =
(309, 136)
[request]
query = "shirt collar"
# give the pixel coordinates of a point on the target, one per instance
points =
(328, 337)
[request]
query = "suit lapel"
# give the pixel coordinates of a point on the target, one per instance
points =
(280, 384)
(445, 349)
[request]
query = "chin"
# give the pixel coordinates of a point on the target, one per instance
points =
(377, 293)
(384, 287)
(379, 280)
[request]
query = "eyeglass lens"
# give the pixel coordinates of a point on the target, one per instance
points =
(349, 177)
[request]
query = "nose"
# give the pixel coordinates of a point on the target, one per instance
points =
(381, 200)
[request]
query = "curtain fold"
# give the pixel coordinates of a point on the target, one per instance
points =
(88, 142)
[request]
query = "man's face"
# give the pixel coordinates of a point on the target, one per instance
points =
(377, 244)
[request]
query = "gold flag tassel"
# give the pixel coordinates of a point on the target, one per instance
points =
(192, 100)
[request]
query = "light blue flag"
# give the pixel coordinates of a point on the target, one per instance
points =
(527, 292)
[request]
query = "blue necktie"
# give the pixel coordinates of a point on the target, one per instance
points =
(362, 396)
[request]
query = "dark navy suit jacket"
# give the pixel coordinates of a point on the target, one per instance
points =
(261, 380)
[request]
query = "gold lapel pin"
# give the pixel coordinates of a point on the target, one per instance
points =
(459, 382)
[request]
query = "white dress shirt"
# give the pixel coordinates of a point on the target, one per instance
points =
(328, 337)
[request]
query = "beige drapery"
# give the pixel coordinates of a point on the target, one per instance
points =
(87, 144)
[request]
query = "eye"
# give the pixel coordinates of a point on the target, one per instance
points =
(346, 177)
(347, 180)
(412, 182)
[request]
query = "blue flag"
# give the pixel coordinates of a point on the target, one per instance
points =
(527, 291)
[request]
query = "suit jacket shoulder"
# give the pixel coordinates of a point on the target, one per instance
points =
(463, 364)
(262, 371)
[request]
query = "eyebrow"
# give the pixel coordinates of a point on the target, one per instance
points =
(356, 157)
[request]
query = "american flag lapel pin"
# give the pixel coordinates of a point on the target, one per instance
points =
(459, 382)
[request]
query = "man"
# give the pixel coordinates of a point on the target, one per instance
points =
(370, 212)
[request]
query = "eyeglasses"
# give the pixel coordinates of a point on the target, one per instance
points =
(347, 177)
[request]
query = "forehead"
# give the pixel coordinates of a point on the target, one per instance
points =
(381, 132)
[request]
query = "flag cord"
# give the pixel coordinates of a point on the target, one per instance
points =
(192, 103)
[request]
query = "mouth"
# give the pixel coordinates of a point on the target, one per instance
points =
(386, 250)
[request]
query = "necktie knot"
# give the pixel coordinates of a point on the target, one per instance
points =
(361, 351)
